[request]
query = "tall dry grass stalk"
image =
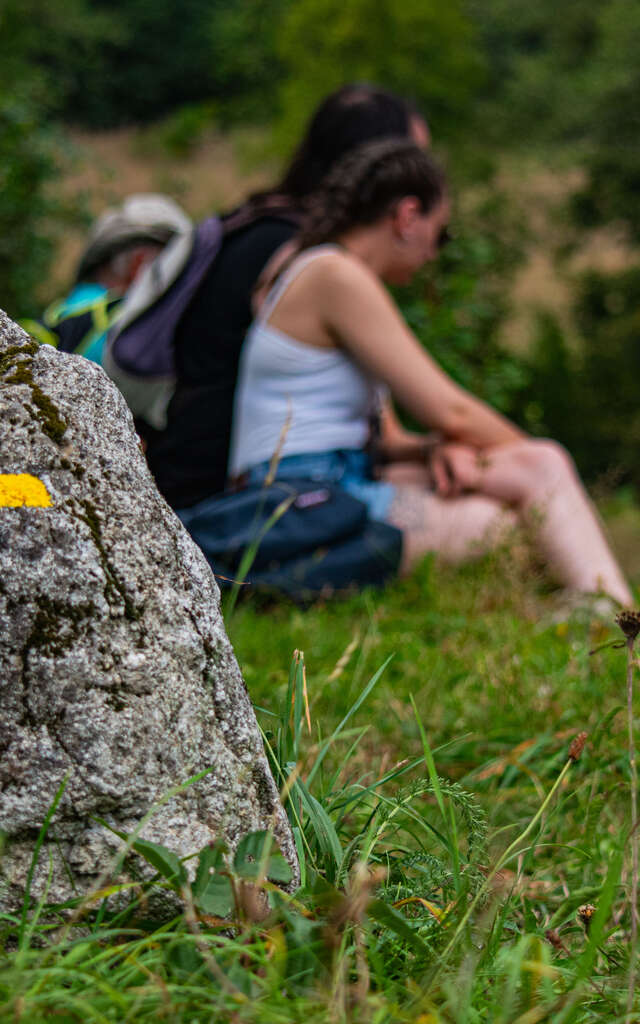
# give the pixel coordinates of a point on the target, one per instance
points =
(634, 835)
(629, 623)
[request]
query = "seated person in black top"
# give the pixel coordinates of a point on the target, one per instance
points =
(189, 457)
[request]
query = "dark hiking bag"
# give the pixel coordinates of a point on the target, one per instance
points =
(139, 353)
(301, 537)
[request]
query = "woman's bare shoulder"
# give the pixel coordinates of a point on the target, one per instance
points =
(338, 269)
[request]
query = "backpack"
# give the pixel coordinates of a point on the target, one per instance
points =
(139, 354)
(298, 537)
(77, 323)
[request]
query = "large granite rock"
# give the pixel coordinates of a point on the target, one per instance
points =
(115, 668)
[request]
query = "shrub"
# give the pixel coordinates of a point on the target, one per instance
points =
(456, 308)
(27, 210)
(588, 398)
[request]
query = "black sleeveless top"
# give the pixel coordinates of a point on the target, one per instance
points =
(189, 457)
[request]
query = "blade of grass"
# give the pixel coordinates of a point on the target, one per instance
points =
(352, 710)
(428, 760)
(34, 860)
(250, 552)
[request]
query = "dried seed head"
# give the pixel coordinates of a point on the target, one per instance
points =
(629, 622)
(553, 937)
(577, 745)
(585, 913)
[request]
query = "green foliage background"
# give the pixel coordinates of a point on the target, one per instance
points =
(424, 50)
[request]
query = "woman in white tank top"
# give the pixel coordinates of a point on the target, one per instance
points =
(329, 337)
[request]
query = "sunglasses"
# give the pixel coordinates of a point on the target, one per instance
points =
(444, 238)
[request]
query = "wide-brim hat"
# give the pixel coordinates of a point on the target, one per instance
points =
(146, 218)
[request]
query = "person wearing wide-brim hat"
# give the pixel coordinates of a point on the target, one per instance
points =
(122, 241)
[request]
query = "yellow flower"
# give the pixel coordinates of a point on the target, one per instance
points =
(18, 489)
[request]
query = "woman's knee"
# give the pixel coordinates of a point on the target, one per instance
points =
(544, 461)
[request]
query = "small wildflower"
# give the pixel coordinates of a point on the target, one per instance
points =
(585, 913)
(577, 746)
(629, 622)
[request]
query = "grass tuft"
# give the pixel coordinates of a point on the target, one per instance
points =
(462, 842)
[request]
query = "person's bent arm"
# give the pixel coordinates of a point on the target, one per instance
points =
(359, 313)
(397, 444)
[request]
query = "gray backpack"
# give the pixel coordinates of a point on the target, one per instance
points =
(139, 352)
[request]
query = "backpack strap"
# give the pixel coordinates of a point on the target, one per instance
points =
(159, 276)
(139, 355)
(103, 319)
(101, 311)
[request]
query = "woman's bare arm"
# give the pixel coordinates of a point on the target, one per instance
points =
(397, 444)
(360, 314)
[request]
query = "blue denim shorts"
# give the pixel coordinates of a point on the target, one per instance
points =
(350, 469)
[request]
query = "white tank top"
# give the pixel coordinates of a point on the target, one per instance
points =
(295, 397)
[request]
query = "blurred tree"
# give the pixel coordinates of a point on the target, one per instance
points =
(27, 210)
(608, 370)
(158, 58)
(586, 396)
(423, 49)
(537, 57)
(568, 73)
(35, 36)
(155, 56)
(246, 65)
(45, 47)
(612, 85)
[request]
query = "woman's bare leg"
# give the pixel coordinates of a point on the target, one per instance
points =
(455, 528)
(539, 479)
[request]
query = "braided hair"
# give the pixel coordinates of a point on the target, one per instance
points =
(365, 184)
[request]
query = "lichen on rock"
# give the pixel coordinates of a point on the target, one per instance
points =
(18, 489)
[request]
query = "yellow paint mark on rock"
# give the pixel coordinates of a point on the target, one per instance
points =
(18, 489)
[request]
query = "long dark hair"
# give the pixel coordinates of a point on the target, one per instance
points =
(352, 115)
(363, 186)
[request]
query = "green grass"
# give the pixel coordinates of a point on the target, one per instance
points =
(402, 915)
(476, 649)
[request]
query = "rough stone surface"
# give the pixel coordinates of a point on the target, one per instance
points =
(115, 668)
